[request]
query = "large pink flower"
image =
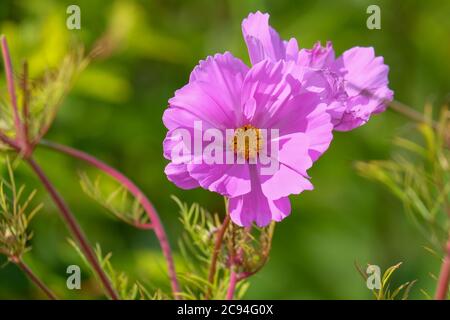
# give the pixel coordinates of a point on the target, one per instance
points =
(354, 86)
(301, 94)
(223, 93)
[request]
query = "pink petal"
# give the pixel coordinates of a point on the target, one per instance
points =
(358, 109)
(362, 70)
(178, 174)
(268, 86)
(366, 84)
(292, 51)
(291, 176)
(229, 180)
(263, 42)
(305, 113)
(254, 207)
(318, 57)
(212, 95)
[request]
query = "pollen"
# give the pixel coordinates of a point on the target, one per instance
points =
(247, 142)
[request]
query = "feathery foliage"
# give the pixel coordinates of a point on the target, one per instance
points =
(385, 292)
(16, 212)
(419, 176)
(42, 96)
(245, 249)
(127, 289)
(116, 199)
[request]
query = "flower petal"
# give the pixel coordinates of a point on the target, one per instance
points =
(212, 95)
(263, 42)
(229, 180)
(292, 51)
(318, 57)
(366, 84)
(305, 113)
(294, 161)
(268, 86)
(254, 207)
(362, 70)
(178, 174)
(285, 182)
(358, 109)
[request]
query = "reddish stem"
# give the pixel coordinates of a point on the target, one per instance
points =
(217, 246)
(21, 145)
(12, 91)
(10, 142)
(232, 285)
(136, 192)
(74, 228)
(34, 278)
(232, 260)
(26, 100)
(143, 226)
(444, 275)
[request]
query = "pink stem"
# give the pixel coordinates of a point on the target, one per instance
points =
(12, 90)
(74, 228)
(444, 275)
(26, 101)
(232, 285)
(136, 192)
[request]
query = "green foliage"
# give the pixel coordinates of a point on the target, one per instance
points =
(386, 292)
(15, 215)
(419, 176)
(197, 246)
(252, 247)
(48, 92)
(43, 95)
(116, 199)
(244, 249)
(437, 256)
(323, 225)
(126, 289)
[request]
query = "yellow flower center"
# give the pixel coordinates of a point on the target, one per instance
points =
(247, 142)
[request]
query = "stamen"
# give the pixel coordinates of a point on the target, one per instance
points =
(247, 142)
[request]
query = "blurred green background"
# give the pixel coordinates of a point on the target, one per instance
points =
(115, 110)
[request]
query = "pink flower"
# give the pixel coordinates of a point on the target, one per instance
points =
(354, 86)
(299, 96)
(223, 93)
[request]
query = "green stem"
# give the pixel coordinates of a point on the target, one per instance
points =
(410, 113)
